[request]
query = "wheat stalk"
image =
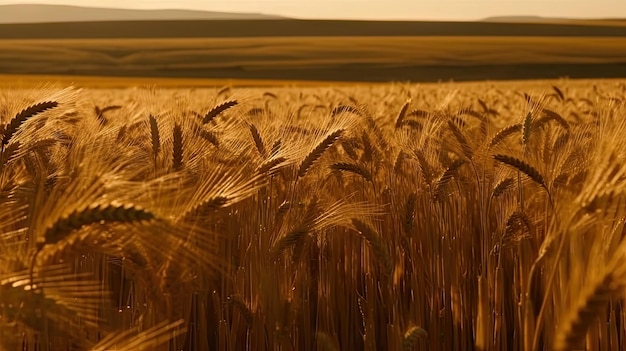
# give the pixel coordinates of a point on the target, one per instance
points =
(325, 342)
(177, 148)
(236, 300)
(146, 340)
(592, 301)
(375, 241)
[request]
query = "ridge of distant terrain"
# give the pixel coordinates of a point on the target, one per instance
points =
(64, 13)
(528, 18)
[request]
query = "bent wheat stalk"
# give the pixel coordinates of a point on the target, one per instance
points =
(592, 300)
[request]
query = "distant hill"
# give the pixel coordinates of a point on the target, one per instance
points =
(539, 19)
(524, 19)
(62, 13)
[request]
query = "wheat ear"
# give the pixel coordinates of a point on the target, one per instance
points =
(317, 152)
(515, 222)
(121, 133)
(270, 165)
(100, 112)
(411, 336)
(413, 124)
(292, 238)
(559, 93)
(349, 149)
(9, 152)
(209, 136)
(156, 140)
(409, 213)
(418, 113)
(258, 141)
(526, 128)
(465, 146)
(402, 114)
(470, 112)
(504, 133)
(445, 178)
(397, 165)
(550, 115)
(425, 168)
(289, 240)
(502, 186)
(21, 117)
(353, 168)
(523, 167)
(154, 132)
(345, 109)
(283, 208)
(95, 214)
(483, 105)
(215, 111)
(237, 301)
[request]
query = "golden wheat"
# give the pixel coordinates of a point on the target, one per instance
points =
(394, 217)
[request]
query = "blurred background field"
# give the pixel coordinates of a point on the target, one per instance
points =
(318, 50)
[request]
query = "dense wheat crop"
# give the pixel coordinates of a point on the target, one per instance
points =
(391, 217)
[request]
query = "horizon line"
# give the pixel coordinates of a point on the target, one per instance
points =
(278, 16)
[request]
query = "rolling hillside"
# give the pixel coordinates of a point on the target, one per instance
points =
(61, 13)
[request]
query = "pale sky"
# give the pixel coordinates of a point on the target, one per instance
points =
(376, 9)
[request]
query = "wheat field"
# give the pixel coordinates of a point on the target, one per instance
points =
(483, 216)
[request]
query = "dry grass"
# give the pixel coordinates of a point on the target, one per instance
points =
(393, 217)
